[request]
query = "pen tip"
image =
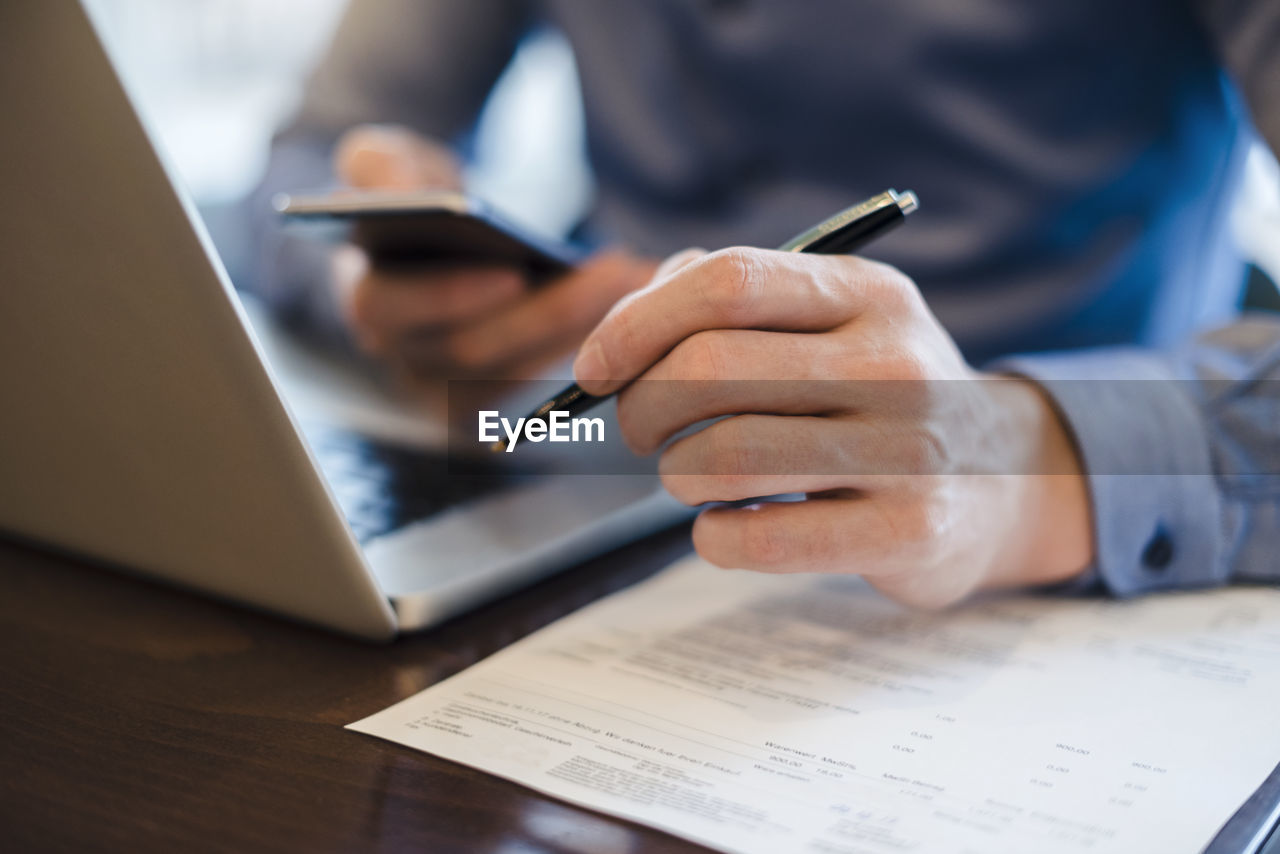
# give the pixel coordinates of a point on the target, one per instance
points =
(498, 447)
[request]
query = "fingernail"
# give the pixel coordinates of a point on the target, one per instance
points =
(590, 365)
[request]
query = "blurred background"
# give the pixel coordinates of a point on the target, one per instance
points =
(215, 78)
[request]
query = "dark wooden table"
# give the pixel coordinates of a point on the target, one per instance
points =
(137, 717)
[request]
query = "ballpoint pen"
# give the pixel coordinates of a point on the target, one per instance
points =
(841, 234)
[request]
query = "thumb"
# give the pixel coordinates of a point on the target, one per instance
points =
(388, 157)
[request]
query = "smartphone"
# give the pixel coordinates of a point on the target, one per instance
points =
(429, 228)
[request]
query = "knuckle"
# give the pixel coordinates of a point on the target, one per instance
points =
(703, 356)
(906, 366)
(716, 464)
(892, 287)
(814, 360)
(925, 452)
(921, 524)
(915, 397)
(732, 453)
(733, 283)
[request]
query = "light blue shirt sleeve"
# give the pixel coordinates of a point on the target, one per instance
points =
(1182, 448)
(1182, 454)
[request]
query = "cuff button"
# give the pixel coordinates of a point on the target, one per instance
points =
(1159, 552)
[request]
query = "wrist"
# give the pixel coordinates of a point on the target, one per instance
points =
(1051, 537)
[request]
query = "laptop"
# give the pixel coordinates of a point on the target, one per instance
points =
(143, 428)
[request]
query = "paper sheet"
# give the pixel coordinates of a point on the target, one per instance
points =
(757, 713)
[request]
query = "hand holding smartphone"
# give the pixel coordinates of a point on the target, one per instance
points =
(435, 283)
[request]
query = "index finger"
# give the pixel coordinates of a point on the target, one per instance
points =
(737, 288)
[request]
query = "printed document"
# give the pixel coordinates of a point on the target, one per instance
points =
(764, 714)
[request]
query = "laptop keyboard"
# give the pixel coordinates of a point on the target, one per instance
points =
(382, 487)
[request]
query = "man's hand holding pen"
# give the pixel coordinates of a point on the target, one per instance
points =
(829, 373)
(831, 377)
